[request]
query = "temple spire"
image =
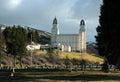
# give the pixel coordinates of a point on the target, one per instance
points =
(82, 22)
(55, 21)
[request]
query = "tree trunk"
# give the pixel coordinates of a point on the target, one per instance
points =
(20, 61)
(14, 61)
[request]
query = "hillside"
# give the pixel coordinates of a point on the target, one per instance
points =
(42, 58)
(44, 37)
(91, 48)
(76, 55)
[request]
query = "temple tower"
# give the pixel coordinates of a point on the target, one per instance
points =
(82, 37)
(54, 33)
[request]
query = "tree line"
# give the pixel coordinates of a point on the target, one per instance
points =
(14, 39)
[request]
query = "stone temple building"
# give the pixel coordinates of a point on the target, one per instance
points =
(69, 42)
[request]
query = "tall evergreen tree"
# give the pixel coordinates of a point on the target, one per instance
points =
(33, 35)
(7, 35)
(21, 40)
(36, 36)
(108, 40)
(16, 39)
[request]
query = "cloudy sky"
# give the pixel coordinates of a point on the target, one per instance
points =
(40, 14)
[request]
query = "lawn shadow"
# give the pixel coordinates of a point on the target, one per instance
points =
(86, 77)
(79, 77)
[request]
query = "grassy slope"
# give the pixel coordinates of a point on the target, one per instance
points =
(40, 58)
(77, 55)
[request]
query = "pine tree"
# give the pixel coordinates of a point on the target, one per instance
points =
(16, 40)
(108, 40)
(7, 36)
(21, 40)
(34, 35)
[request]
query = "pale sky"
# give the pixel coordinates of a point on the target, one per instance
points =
(40, 14)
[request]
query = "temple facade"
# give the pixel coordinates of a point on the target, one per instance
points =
(69, 42)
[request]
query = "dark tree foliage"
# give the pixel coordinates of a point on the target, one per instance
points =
(108, 39)
(105, 67)
(16, 40)
(44, 40)
(36, 36)
(32, 35)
